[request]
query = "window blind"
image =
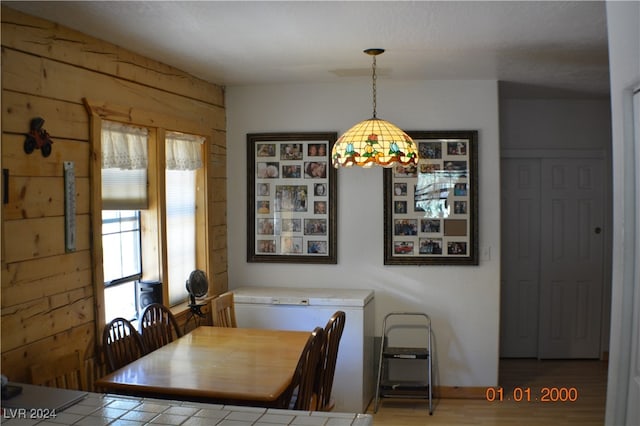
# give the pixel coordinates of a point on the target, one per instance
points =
(183, 156)
(124, 166)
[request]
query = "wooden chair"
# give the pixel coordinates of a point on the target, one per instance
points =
(324, 382)
(158, 327)
(122, 343)
(66, 372)
(223, 311)
(300, 393)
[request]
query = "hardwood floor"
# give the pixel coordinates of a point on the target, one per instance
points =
(587, 377)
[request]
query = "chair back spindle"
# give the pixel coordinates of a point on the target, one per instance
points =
(122, 343)
(223, 311)
(158, 327)
(326, 372)
(66, 372)
(304, 378)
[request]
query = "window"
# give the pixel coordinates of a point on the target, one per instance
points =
(192, 125)
(183, 158)
(121, 240)
(144, 212)
(122, 267)
(124, 179)
(181, 229)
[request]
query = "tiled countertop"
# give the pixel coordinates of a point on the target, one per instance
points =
(116, 410)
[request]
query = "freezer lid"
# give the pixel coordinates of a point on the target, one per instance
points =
(303, 296)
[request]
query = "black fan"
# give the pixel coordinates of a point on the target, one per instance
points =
(197, 286)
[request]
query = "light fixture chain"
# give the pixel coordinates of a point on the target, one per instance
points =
(374, 141)
(374, 86)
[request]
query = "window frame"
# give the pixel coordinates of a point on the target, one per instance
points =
(153, 245)
(128, 278)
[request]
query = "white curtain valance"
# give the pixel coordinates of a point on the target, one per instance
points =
(183, 151)
(123, 146)
(124, 166)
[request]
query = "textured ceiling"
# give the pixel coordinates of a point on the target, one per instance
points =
(536, 47)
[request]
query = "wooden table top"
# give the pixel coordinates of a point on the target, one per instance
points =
(215, 363)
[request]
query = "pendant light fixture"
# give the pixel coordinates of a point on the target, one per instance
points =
(374, 141)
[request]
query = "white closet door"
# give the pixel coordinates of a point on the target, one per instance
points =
(552, 257)
(571, 273)
(520, 264)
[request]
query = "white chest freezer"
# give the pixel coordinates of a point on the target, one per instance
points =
(307, 308)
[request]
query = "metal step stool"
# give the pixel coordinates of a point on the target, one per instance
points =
(416, 327)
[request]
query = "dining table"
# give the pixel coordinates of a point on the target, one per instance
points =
(242, 366)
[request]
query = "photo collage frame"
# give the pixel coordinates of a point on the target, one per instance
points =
(431, 209)
(291, 198)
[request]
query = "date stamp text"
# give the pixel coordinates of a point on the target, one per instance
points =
(527, 394)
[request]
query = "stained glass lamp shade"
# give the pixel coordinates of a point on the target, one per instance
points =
(374, 141)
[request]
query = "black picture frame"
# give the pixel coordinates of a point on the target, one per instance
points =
(291, 198)
(431, 210)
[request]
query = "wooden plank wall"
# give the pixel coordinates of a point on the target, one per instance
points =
(47, 298)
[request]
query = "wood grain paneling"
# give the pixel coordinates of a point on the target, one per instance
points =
(42, 318)
(57, 80)
(47, 295)
(41, 237)
(78, 338)
(62, 119)
(39, 278)
(32, 197)
(48, 40)
(36, 165)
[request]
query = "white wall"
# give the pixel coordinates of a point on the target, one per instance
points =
(623, 23)
(463, 301)
(552, 124)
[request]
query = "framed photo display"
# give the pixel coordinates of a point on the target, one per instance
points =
(292, 198)
(431, 211)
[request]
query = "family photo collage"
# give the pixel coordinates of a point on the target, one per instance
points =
(430, 209)
(429, 206)
(292, 198)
